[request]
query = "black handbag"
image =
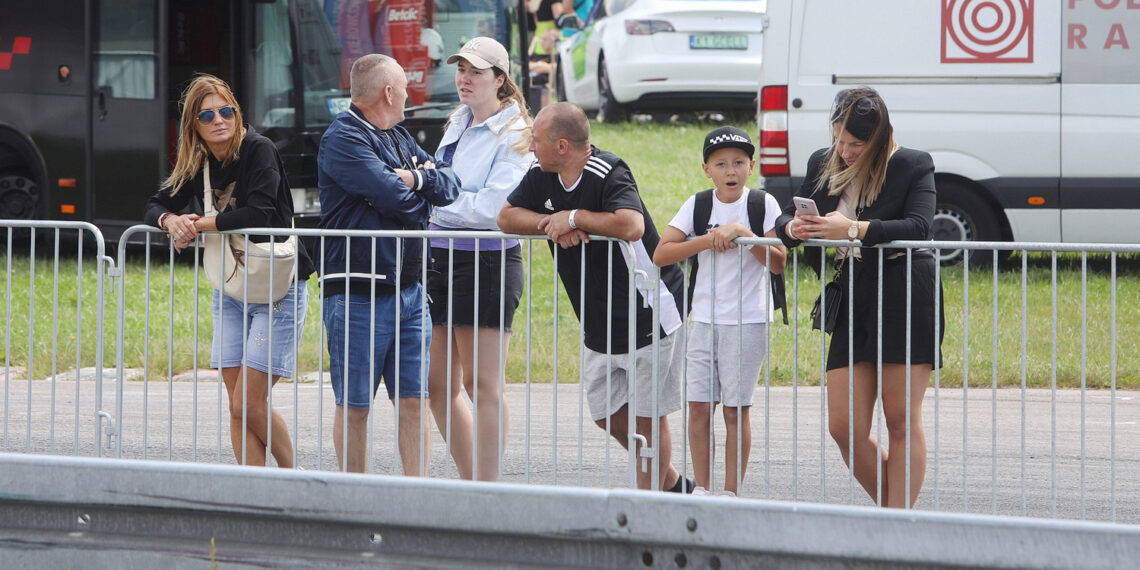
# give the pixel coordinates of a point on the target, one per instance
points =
(828, 304)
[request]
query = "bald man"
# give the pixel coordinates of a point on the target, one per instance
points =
(373, 176)
(575, 191)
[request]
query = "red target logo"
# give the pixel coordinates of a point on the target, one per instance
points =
(987, 31)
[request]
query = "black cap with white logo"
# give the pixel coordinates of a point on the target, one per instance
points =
(728, 137)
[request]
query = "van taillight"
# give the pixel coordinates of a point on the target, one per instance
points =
(774, 131)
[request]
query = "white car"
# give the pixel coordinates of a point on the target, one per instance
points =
(663, 55)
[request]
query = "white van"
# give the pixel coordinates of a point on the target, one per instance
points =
(1030, 108)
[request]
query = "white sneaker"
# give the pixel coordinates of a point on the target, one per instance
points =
(701, 491)
(722, 493)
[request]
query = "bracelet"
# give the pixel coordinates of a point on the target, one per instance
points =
(573, 226)
(162, 221)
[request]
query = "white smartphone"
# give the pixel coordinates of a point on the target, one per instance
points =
(805, 206)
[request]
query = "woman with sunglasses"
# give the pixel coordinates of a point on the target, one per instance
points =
(214, 144)
(486, 141)
(868, 188)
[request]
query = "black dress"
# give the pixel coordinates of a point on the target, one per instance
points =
(903, 210)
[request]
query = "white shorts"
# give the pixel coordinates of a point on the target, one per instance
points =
(716, 362)
(668, 385)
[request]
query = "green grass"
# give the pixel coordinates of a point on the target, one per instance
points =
(665, 160)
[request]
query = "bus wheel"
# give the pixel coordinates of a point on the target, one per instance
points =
(18, 196)
(963, 215)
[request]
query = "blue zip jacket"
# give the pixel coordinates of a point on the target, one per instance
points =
(360, 190)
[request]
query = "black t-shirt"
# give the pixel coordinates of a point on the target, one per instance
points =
(545, 13)
(606, 186)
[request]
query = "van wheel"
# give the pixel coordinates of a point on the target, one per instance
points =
(963, 215)
(609, 110)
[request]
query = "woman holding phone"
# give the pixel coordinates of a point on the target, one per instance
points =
(868, 188)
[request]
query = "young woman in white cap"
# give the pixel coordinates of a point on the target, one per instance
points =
(486, 142)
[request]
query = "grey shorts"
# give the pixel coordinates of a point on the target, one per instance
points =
(595, 370)
(716, 362)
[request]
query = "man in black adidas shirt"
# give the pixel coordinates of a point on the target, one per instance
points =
(575, 191)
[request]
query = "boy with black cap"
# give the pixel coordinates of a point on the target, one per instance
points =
(731, 299)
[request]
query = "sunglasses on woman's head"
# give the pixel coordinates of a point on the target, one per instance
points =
(206, 117)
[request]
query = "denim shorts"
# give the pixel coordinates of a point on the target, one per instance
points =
(242, 331)
(366, 368)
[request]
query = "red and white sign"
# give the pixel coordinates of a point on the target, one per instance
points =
(987, 31)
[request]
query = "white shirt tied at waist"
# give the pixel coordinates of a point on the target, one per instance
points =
(490, 169)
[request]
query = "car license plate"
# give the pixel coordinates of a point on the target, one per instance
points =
(718, 41)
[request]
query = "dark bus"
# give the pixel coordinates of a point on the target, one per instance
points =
(89, 89)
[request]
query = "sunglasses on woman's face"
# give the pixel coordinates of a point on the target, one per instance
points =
(206, 117)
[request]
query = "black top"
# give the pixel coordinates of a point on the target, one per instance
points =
(545, 13)
(606, 186)
(261, 191)
(904, 209)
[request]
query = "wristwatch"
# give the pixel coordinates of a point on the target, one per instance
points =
(853, 231)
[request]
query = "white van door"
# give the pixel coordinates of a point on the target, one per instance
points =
(1100, 123)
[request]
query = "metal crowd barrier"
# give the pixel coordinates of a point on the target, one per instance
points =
(53, 331)
(1004, 438)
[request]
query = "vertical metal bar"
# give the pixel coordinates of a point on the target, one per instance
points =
(244, 359)
(501, 370)
(823, 430)
(850, 261)
(1084, 367)
(1053, 387)
(794, 310)
(170, 362)
(146, 351)
(1112, 391)
(965, 379)
(31, 338)
(631, 363)
(322, 335)
(1025, 349)
(422, 431)
(450, 354)
(194, 351)
(909, 395)
(994, 389)
(55, 340)
(554, 379)
(8, 344)
(475, 379)
(372, 359)
(937, 351)
(79, 332)
(530, 335)
(879, 475)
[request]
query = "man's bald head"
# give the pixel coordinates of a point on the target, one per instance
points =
(564, 121)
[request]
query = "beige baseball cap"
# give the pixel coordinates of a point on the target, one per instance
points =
(484, 53)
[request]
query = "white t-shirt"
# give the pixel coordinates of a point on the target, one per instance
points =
(730, 284)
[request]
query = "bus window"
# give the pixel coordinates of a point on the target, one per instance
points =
(272, 59)
(125, 60)
(420, 34)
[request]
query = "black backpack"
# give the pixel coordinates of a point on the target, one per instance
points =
(702, 211)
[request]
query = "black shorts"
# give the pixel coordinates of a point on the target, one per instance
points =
(498, 294)
(924, 349)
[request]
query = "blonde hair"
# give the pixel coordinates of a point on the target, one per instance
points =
(192, 150)
(864, 107)
(509, 91)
